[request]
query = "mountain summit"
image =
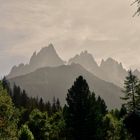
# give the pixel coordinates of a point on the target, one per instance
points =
(113, 71)
(46, 75)
(87, 61)
(109, 70)
(47, 56)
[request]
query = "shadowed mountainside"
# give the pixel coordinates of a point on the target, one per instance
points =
(109, 70)
(46, 57)
(46, 75)
(55, 81)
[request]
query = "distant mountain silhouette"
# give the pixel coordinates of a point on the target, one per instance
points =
(87, 61)
(113, 71)
(46, 57)
(109, 70)
(46, 75)
(55, 81)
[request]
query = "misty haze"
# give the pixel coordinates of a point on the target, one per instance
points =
(70, 70)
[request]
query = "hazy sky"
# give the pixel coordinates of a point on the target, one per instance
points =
(105, 28)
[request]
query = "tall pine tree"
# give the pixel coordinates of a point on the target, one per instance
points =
(77, 108)
(83, 113)
(131, 93)
(132, 98)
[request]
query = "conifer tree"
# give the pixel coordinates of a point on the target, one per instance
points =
(25, 133)
(58, 106)
(132, 99)
(131, 93)
(8, 126)
(48, 108)
(24, 99)
(41, 105)
(39, 125)
(77, 109)
(6, 85)
(83, 113)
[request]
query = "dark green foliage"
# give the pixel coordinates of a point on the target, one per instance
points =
(114, 127)
(19, 97)
(57, 124)
(41, 105)
(23, 116)
(132, 98)
(132, 122)
(101, 105)
(8, 120)
(25, 99)
(131, 93)
(39, 125)
(56, 106)
(84, 117)
(25, 133)
(6, 85)
(48, 107)
(83, 112)
(123, 112)
(77, 109)
(21, 100)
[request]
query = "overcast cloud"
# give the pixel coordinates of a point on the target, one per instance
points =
(105, 28)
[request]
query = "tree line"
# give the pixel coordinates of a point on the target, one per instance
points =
(85, 116)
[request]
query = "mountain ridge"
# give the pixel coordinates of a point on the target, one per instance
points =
(47, 56)
(47, 75)
(109, 70)
(55, 81)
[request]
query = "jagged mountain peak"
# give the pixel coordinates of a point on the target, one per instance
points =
(86, 54)
(33, 57)
(44, 52)
(102, 61)
(110, 63)
(34, 54)
(110, 59)
(83, 56)
(49, 48)
(47, 56)
(86, 60)
(113, 71)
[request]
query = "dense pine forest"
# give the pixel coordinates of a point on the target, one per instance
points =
(84, 116)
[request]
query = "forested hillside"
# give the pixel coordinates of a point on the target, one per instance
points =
(84, 116)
